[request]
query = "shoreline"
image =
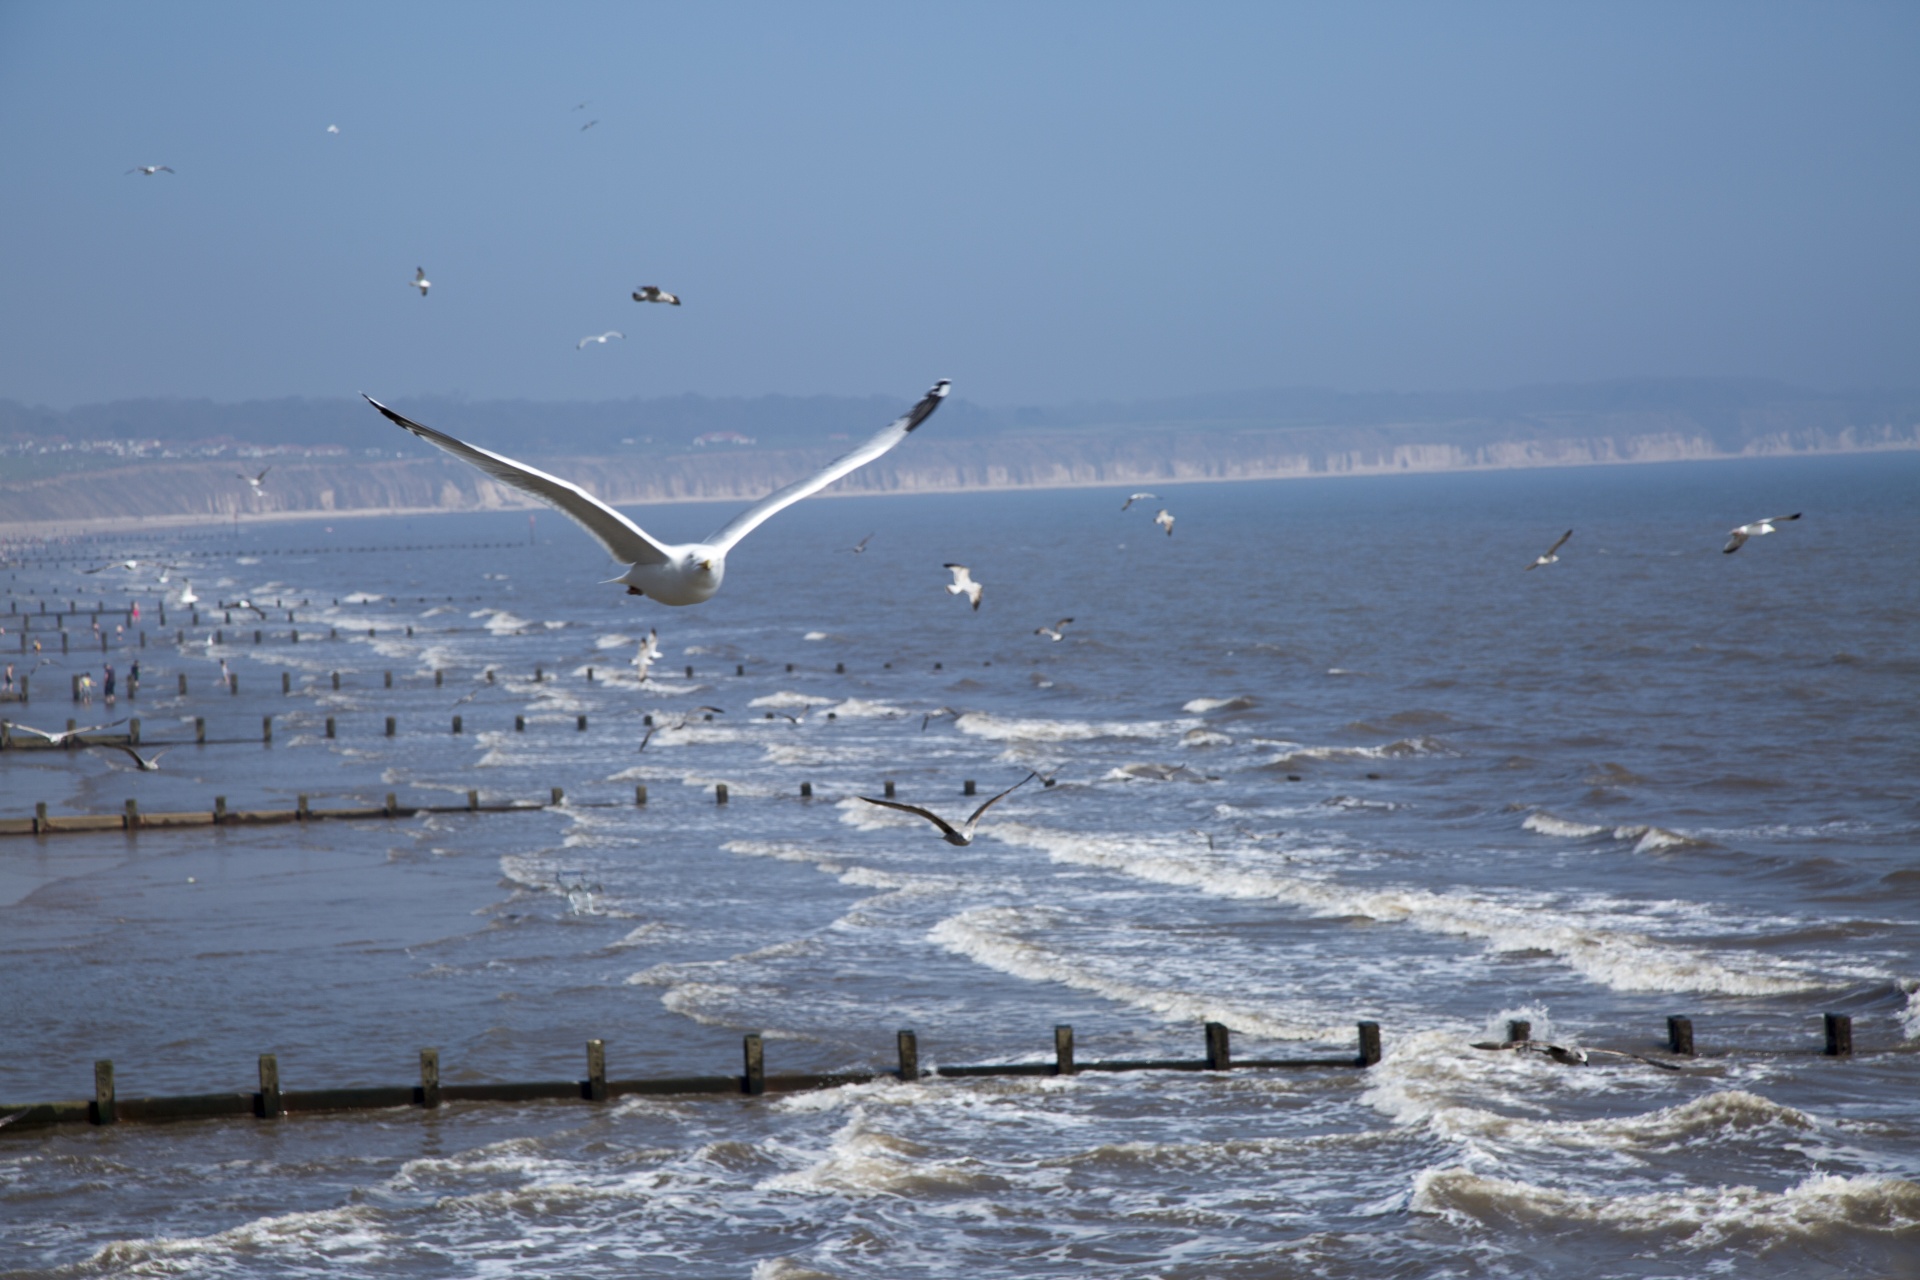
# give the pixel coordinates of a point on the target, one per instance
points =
(503, 499)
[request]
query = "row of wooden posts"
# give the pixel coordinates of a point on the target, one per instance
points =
(1839, 1033)
(270, 1100)
(133, 818)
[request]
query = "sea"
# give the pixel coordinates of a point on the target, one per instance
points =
(1327, 753)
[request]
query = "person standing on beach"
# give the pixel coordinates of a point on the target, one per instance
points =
(109, 685)
(86, 689)
(8, 687)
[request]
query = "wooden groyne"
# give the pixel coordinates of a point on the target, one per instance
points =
(270, 1099)
(135, 819)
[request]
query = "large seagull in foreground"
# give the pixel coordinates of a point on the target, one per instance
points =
(687, 573)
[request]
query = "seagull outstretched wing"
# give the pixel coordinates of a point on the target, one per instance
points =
(889, 436)
(624, 540)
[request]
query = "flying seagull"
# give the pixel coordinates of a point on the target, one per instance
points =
(860, 547)
(1136, 497)
(654, 293)
(963, 584)
(1053, 632)
(588, 125)
(1165, 521)
(1550, 556)
(256, 483)
(599, 338)
(685, 720)
(150, 169)
(187, 595)
(117, 564)
(1738, 537)
(963, 836)
(244, 604)
(649, 653)
(147, 764)
(935, 714)
(676, 574)
(333, 128)
(60, 737)
(420, 280)
(1569, 1057)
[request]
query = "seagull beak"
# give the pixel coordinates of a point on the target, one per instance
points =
(706, 566)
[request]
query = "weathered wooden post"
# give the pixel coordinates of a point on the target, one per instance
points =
(1680, 1035)
(132, 818)
(269, 1104)
(580, 723)
(219, 808)
(233, 683)
(430, 1078)
(789, 668)
(739, 669)
(640, 794)
(200, 730)
(300, 808)
(806, 791)
(538, 674)
(909, 1046)
(1063, 1050)
(389, 679)
(719, 793)
(1369, 1044)
(966, 787)
(389, 726)
(473, 800)
(755, 1080)
(1219, 1047)
(596, 1071)
(888, 785)
(105, 1109)
(519, 724)
(183, 684)
(393, 804)
(133, 731)
(839, 668)
(559, 796)
(329, 726)
(689, 673)
(336, 680)
(456, 724)
(1839, 1035)
(266, 728)
(286, 683)
(439, 677)
(256, 637)
(39, 816)
(1519, 1029)
(76, 687)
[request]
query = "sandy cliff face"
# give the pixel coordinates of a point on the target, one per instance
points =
(196, 492)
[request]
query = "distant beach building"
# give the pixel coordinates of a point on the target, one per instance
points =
(723, 437)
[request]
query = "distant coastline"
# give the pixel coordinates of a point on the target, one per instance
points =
(175, 493)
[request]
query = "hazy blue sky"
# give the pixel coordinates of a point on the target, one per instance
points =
(1044, 202)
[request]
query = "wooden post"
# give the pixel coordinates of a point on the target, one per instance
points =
(456, 724)
(888, 784)
(430, 1078)
(806, 791)
(640, 794)
(689, 673)
(909, 1045)
(473, 800)
(393, 804)
(789, 668)
(966, 787)
(720, 793)
(739, 669)
(266, 728)
(519, 724)
(256, 637)
(1219, 1047)
(104, 1108)
(389, 679)
(39, 816)
(336, 679)
(1369, 1044)
(293, 637)
(596, 1071)
(439, 677)
(132, 819)
(219, 808)
(200, 730)
(300, 807)
(559, 796)
(1839, 1036)
(183, 684)
(76, 687)
(1063, 1050)
(329, 726)
(389, 726)
(286, 682)
(1680, 1035)
(233, 683)
(755, 1081)
(538, 674)
(133, 731)
(1519, 1029)
(269, 1104)
(580, 723)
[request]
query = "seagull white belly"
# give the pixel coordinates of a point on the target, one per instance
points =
(673, 583)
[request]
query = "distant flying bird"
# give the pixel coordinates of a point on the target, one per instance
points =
(674, 574)
(186, 592)
(649, 653)
(936, 714)
(1549, 557)
(1053, 632)
(1136, 497)
(333, 128)
(256, 483)
(963, 584)
(1165, 521)
(146, 764)
(581, 106)
(685, 720)
(588, 125)
(860, 547)
(58, 738)
(964, 835)
(420, 280)
(1740, 535)
(245, 604)
(654, 293)
(117, 564)
(600, 338)
(150, 169)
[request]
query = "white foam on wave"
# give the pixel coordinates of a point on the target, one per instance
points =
(362, 597)
(1199, 706)
(1693, 1218)
(614, 641)
(1621, 959)
(500, 622)
(814, 635)
(1399, 749)
(1204, 738)
(980, 724)
(864, 709)
(1152, 772)
(1005, 939)
(863, 1160)
(1547, 824)
(1647, 839)
(788, 698)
